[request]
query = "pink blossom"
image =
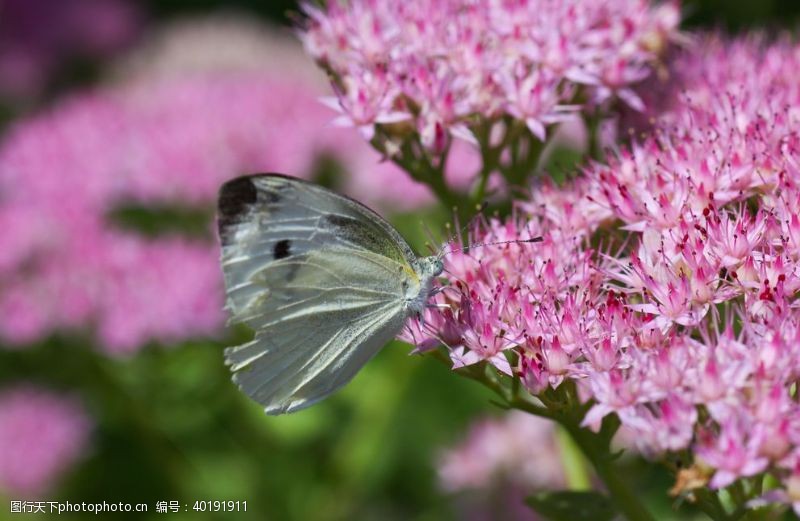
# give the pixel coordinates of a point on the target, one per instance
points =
(42, 434)
(733, 452)
(664, 426)
(443, 63)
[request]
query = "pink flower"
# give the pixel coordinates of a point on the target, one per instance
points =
(664, 426)
(535, 99)
(42, 434)
(732, 452)
(444, 63)
(366, 99)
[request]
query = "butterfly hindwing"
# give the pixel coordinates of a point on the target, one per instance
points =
(317, 340)
(318, 276)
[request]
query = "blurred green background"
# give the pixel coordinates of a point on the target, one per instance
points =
(171, 427)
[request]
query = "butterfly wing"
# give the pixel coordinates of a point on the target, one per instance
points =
(319, 277)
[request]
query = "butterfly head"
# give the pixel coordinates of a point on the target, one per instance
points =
(431, 267)
(426, 271)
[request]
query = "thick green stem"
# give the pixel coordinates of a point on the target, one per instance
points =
(490, 157)
(621, 494)
(416, 162)
(593, 122)
(576, 471)
(421, 170)
(523, 151)
(522, 170)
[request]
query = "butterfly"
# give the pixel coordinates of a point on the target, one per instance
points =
(324, 282)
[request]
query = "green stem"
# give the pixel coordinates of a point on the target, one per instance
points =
(593, 122)
(575, 470)
(414, 159)
(710, 504)
(526, 168)
(564, 409)
(621, 494)
(490, 157)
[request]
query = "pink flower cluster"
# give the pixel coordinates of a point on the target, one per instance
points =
(666, 284)
(65, 265)
(41, 435)
(439, 64)
(751, 69)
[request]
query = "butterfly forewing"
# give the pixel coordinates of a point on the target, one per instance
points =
(319, 277)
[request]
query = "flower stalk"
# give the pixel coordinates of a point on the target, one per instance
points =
(560, 407)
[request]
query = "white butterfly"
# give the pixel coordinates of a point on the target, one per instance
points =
(324, 281)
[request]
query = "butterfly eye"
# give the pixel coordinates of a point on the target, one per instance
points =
(438, 267)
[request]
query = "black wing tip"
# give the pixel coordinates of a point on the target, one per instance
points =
(236, 196)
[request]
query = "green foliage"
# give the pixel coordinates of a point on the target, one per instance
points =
(567, 505)
(167, 219)
(172, 426)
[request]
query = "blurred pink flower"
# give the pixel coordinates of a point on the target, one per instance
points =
(219, 43)
(501, 461)
(212, 48)
(41, 435)
(517, 448)
(155, 140)
(37, 36)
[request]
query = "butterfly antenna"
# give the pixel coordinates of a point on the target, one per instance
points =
(461, 229)
(430, 235)
(480, 209)
(497, 243)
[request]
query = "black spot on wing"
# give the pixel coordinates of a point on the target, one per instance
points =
(235, 198)
(281, 249)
